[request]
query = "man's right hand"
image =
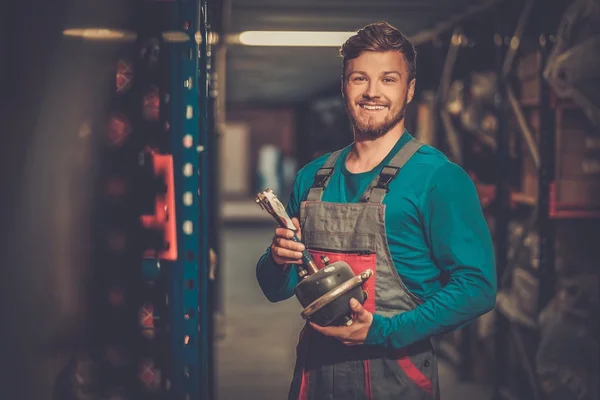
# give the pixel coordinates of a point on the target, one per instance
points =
(283, 249)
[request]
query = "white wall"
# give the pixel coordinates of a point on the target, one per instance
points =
(235, 173)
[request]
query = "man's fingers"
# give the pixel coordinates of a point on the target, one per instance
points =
(320, 329)
(359, 312)
(328, 330)
(282, 252)
(357, 307)
(292, 261)
(297, 225)
(284, 233)
(288, 233)
(289, 244)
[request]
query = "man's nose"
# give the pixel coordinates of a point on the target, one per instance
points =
(372, 91)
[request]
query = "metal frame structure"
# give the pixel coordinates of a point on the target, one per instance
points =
(150, 331)
(170, 137)
(506, 252)
(189, 305)
(541, 216)
(542, 155)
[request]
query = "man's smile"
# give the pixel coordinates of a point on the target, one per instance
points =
(372, 107)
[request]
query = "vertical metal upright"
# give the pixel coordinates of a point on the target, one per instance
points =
(546, 177)
(189, 308)
(212, 189)
(502, 218)
(205, 176)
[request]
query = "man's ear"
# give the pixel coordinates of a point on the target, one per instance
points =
(342, 80)
(411, 91)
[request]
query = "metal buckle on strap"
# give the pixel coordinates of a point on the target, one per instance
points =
(385, 177)
(322, 175)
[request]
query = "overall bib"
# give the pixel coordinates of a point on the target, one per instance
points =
(326, 369)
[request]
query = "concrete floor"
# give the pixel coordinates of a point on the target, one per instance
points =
(256, 353)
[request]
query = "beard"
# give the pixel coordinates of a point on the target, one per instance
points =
(371, 128)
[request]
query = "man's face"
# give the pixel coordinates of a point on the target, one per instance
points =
(376, 90)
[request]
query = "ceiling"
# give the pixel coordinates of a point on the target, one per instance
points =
(280, 75)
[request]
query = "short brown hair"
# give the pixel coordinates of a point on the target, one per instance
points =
(380, 37)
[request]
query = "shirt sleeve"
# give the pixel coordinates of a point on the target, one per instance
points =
(461, 245)
(278, 283)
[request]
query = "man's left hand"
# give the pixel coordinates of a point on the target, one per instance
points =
(354, 334)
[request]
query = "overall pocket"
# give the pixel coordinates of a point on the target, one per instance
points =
(354, 248)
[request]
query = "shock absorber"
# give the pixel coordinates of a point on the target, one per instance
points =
(324, 293)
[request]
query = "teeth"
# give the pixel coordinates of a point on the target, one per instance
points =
(372, 108)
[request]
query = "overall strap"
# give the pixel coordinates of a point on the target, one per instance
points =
(315, 193)
(378, 188)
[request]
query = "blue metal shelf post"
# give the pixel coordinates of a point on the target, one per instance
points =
(189, 294)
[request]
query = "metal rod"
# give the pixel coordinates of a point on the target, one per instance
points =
(451, 135)
(486, 140)
(307, 259)
(546, 177)
(515, 41)
(523, 126)
(311, 267)
(517, 244)
(525, 362)
(455, 42)
(206, 314)
(465, 367)
(502, 217)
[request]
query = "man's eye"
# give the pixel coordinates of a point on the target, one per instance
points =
(359, 79)
(389, 80)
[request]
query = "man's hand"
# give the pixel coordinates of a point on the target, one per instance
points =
(354, 334)
(283, 249)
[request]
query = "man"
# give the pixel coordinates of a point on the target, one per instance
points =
(400, 208)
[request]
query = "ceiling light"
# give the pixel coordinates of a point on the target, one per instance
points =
(293, 38)
(101, 34)
(175, 37)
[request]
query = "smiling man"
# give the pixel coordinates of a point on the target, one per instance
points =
(394, 205)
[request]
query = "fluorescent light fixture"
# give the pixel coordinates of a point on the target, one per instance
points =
(293, 38)
(175, 37)
(101, 34)
(213, 37)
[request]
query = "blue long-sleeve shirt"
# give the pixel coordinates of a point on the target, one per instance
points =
(435, 227)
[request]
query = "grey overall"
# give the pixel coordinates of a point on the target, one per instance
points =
(326, 369)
